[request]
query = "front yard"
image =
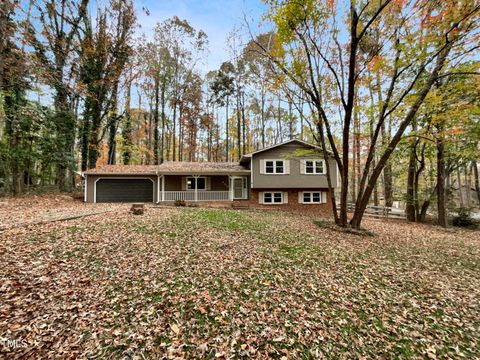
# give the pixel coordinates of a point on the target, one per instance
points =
(197, 283)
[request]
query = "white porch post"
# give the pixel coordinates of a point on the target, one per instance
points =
(196, 186)
(158, 188)
(163, 187)
(230, 188)
(85, 187)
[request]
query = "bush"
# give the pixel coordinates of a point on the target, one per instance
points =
(180, 203)
(463, 218)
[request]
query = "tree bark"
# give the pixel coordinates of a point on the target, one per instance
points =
(410, 208)
(441, 208)
(409, 117)
(227, 150)
(155, 120)
(476, 179)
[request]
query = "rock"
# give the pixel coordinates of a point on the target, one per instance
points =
(137, 209)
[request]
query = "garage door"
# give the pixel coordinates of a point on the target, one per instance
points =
(124, 190)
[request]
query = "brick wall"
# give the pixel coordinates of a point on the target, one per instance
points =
(293, 204)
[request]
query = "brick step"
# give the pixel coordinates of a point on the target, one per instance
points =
(240, 206)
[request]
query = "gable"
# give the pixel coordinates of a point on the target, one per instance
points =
(284, 151)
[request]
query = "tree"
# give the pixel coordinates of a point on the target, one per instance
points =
(54, 46)
(104, 53)
(222, 88)
(412, 39)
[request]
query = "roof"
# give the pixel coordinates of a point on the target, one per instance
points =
(123, 170)
(246, 157)
(205, 167)
(171, 167)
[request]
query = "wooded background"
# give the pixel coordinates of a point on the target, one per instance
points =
(389, 88)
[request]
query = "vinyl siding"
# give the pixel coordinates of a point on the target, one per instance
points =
(294, 179)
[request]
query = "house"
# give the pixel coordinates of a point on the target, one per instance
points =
(292, 173)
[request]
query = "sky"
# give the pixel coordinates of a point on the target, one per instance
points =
(216, 18)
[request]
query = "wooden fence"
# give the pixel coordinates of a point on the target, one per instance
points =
(379, 211)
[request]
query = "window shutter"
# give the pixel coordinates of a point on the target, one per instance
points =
(324, 167)
(184, 183)
(302, 166)
(324, 197)
(260, 197)
(262, 166)
(208, 183)
(300, 197)
(287, 166)
(285, 197)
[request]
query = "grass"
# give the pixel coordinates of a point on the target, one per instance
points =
(198, 283)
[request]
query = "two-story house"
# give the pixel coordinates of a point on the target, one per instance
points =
(292, 173)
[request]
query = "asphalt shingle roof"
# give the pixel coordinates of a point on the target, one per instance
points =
(172, 167)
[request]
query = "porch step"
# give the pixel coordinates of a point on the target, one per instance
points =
(240, 206)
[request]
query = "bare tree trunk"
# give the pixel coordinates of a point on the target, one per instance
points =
(174, 130)
(244, 127)
(468, 186)
(441, 208)
(411, 201)
(357, 144)
(300, 113)
(476, 179)
(155, 120)
(150, 134)
(127, 131)
(239, 128)
(162, 148)
(112, 131)
(227, 149)
(262, 107)
(290, 119)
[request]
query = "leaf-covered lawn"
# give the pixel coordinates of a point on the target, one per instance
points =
(195, 283)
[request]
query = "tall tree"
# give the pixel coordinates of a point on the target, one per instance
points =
(104, 53)
(53, 39)
(313, 51)
(223, 88)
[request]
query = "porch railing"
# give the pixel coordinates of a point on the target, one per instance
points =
(201, 195)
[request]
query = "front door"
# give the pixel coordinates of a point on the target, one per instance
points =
(238, 186)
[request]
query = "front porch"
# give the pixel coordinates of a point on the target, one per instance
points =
(203, 188)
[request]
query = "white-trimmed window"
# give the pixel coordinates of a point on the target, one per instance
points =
(312, 197)
(313, 167)
(199, 183)
(273, 198)
(275, 166)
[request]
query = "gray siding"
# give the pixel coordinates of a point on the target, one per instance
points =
(294, 179)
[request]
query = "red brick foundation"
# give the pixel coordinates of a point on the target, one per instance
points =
(293, 204)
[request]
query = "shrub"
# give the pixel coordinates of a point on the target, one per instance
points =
(180, 203)
(463, 218)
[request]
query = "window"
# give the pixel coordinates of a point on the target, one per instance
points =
(312, 198)
(199, 183)
(275, 167)
(314, 167)
(273, 198)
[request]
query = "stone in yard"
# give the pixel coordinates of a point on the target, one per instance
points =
(137, 209)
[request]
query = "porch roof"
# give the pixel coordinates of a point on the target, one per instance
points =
(201, 168)
(173, 168)
(123, 170)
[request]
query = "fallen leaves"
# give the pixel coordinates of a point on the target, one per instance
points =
(175, 329)
(189, 283)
